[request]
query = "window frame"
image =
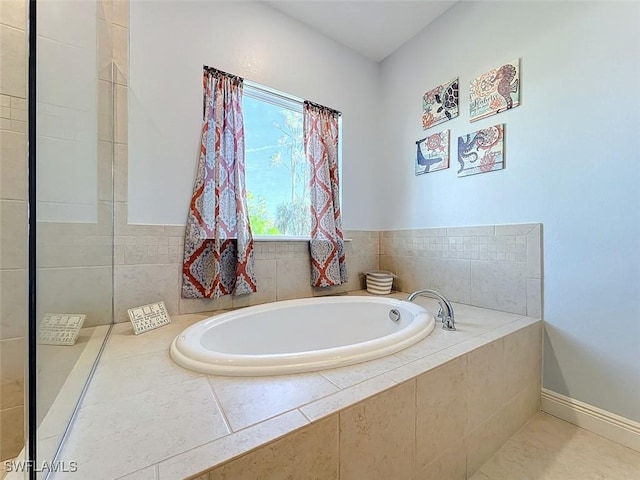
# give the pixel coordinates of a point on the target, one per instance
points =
(281, 99)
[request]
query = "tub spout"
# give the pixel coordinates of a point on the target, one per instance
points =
(445, 314)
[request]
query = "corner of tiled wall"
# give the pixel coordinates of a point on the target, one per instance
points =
(13, 223)
(490, 266)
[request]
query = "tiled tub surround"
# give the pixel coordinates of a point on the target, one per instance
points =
(437, 409)
(490, 266)
(148, 266)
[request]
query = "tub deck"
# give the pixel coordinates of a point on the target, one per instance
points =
(145, 418)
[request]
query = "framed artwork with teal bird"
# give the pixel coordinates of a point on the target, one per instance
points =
(432, 153)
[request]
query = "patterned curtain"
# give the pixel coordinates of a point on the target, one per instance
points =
(218, 245)
(327, 243)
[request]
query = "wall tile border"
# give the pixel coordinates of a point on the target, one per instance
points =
(490, 266)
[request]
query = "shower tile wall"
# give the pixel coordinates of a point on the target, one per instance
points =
(74, 259)
(79, 255)
(491, 266)
(13, 223)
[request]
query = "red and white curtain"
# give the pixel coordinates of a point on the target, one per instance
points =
(218, 246)
(328, 265)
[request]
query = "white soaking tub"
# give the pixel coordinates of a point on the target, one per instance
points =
(300, 335)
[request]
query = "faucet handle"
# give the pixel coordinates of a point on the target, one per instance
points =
(448, 324)
(445, 313)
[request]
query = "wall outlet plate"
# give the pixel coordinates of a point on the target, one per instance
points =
(148, 317)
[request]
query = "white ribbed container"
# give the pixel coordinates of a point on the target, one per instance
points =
(379, 282)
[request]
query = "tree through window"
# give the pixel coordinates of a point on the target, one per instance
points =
(277, 175)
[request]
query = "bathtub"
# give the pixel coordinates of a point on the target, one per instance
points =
(300, 335)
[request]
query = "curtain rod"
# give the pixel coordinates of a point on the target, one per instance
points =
(217, 71)
(318, 105)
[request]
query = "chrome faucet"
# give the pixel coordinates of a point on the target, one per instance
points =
(445, 315)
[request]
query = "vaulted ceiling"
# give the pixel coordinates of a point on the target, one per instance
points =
(375, 29)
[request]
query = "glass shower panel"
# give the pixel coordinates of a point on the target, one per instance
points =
(74, 207)
(13, 226)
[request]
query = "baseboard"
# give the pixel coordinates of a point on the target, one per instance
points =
(606, 424)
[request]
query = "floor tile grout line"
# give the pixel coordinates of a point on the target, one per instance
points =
(278, 437)
(219, 405)
(110, 401)
(305, 416)
(153, 466)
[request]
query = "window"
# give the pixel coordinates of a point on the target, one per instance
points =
(277, 175)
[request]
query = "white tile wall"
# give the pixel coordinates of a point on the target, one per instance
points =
(84, 290)
(13, 55)
(498, 267)
(13, 181)
(75, 259)
(148, 269)
(13, 303)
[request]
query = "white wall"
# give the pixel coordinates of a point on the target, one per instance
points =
(169, 43)
(67, 111)
(571, 163)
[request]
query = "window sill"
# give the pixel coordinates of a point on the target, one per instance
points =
(282, 238)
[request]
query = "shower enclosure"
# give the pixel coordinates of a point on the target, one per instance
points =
(56, 219)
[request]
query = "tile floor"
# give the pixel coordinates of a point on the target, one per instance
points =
(551, 449)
